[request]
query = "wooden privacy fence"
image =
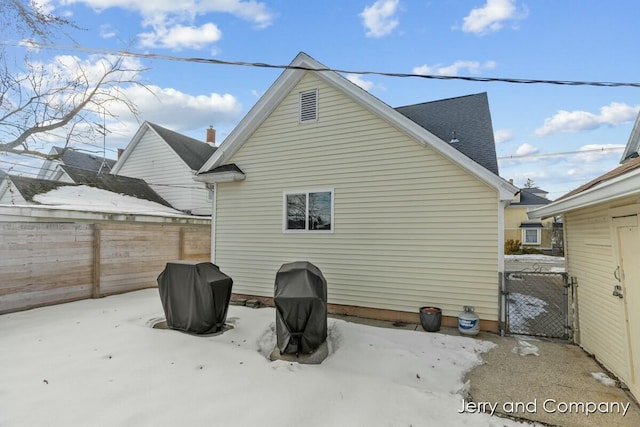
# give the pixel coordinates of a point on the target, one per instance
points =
(43, 263)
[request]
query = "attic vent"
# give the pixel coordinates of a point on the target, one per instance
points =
(309, 106)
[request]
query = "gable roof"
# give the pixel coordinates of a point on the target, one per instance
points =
(78, 159)
(118, 184)
(29, 187)
(302, 64)
(529, 198)
(619, 182)
(192, 152)
(633, 144)
(465, 118)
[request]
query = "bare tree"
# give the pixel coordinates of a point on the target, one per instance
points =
(64, 101)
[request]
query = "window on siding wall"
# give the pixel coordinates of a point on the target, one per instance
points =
(531, 236)
(310, 211)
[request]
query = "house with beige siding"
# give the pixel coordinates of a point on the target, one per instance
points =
(394, 216)
(168, 161)
(536, 234)
(602, 243)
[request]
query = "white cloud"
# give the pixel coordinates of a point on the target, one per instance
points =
(107, 31)
(492, 16)
(380, 18)
(526, 149)
(358, 80)
(179, 37)
(502, 136)
(172, 23)
(177, 110)
(472, 67)
(576, 121)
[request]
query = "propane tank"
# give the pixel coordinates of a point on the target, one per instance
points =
(468, 321)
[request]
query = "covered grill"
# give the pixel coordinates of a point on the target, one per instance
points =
(195, 296)
(301, 308)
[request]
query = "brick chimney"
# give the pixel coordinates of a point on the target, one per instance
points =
(211, 136)
(120, 151)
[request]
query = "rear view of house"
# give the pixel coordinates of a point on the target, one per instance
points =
(394, 216)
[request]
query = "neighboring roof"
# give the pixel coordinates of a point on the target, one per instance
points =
(633, 144)
(93, 199)
(78, 159)
(528, 198)
(467, 118)
(620, 182)
(287, 81)
(2, 174)
(118, 184)
(192, 152)
(30, 187)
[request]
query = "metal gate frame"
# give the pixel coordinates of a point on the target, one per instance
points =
(508, 324)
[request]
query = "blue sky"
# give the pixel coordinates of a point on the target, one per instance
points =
(583, 40)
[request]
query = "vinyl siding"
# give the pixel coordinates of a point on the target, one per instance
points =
(591, 259)
(155, 162)
(410, 227)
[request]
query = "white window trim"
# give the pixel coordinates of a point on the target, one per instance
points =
(538, 236)
(307, 191)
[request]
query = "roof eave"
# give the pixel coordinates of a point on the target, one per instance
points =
(289, 78)
(624, 185)
(213, 178)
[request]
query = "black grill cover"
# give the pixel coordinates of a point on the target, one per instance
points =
(195, 296)
(301, 308)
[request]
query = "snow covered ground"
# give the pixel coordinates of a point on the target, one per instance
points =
(99, 363)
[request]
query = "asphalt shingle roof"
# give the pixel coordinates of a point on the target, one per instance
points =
(527, 198)
(468, 116)
(118, 184)
(29, 187)
(193, 152)
(78, 159)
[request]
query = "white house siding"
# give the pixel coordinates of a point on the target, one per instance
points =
(591, 259)
(155, 162)
(411, 227)
(9, 195)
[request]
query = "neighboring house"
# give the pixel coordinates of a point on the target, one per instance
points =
(19, 190)
(168, 161)
(518, 227)
(393, 215)
(51, 169)
(602, 238)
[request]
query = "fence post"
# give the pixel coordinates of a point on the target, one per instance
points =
(181, 243)
(95, 290)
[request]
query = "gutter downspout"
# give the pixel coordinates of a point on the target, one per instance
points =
(502, 204)
(214, 222)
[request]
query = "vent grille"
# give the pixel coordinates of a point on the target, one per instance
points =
(309, 106)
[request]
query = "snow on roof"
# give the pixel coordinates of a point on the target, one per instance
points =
(82, 197)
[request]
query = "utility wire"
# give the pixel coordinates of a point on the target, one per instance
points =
(559, 153)
(163, 57)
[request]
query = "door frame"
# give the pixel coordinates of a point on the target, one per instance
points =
(620, 217)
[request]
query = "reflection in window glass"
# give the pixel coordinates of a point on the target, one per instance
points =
(309, 211)
(320, 211)
(296, 211)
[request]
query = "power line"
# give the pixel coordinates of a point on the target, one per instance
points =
(195, 185)
(163, 57)
(559, 153)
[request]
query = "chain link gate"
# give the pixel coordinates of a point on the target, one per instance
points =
(536, 304)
